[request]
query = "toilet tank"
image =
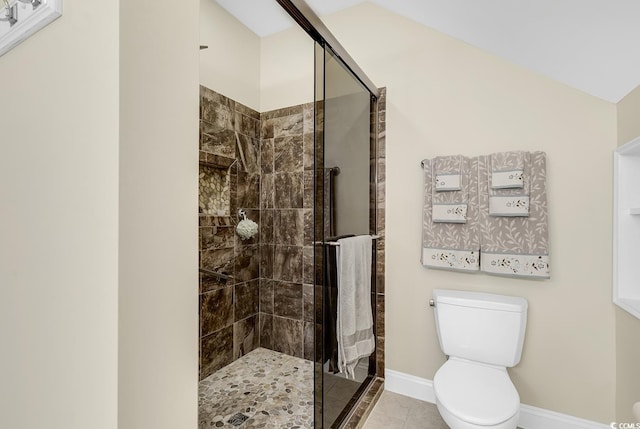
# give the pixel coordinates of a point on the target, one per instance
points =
(481, 327)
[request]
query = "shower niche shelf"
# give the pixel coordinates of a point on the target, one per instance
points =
(215, 161)
(214, 195)
(626, 227)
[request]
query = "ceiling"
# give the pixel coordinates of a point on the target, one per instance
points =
(591, 45)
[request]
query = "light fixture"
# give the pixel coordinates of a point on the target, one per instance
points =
(10, 13)
(34, 3)
(24, 18)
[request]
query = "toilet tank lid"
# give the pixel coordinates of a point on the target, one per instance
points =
(487, 301)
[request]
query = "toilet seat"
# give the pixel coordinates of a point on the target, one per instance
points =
(475, 393)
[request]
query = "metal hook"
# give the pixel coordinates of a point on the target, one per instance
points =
(242, 214)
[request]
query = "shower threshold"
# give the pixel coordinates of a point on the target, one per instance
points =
(263, 389)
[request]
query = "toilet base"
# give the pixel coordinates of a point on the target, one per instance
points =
(456, 423)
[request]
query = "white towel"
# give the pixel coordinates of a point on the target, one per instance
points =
(355, 319)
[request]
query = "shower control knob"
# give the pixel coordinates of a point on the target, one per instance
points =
(432, 303)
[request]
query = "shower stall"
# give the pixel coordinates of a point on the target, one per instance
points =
(306, 174)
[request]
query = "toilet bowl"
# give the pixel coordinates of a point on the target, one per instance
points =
(472, 396)
(482, 334)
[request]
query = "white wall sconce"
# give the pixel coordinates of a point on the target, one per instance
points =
(10, 13)
(19, 19)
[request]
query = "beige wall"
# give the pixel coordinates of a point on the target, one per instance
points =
(627, 326)
(629, 117)
(158, 281)
(258, 72)
(263, 73)
(446, 97)
(60, 169)
(59, 223)
(231, 65)
(627, 367)
(286, 69)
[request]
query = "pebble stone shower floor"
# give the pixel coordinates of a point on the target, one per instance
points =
(263, 389)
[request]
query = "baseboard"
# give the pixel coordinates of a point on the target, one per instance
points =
(530, 417)
(538, 418)
(409, 385)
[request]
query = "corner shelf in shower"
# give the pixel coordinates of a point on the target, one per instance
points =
(215, 161)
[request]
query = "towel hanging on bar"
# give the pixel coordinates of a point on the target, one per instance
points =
(450, 189)
(354, 322)
(516, 245)
(509, 176)
(452, 246)
(507, 229)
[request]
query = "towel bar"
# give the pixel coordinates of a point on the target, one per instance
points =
(335, 243)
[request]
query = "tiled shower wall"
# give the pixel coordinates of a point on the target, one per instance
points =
(263, 294)
(229, 279)
(286, 285)
(380, 165)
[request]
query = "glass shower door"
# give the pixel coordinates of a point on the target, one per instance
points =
(344, 206)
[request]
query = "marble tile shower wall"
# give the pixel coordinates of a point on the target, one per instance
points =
(380, 165)
(286, 284)
(262, 292)
(229, 278)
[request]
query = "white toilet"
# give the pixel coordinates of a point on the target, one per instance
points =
(482, 334)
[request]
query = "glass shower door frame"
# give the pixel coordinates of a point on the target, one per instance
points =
(323, 52)
(306, 18)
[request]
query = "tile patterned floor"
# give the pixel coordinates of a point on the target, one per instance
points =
(271, 390)
(338, 391)
(393, 411)
(263, 389)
